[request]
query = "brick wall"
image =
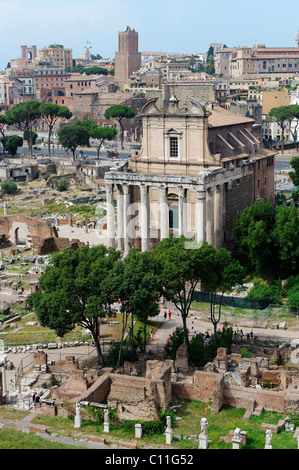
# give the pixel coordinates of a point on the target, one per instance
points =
(98, 391)
(241, 397)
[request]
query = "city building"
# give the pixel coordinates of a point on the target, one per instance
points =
(259, 59)
(197, 170)
(56, 56)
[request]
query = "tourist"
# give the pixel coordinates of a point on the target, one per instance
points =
(37, 400)
(11, 384)
(169, 315)
(165, 315)
(241, 334)
(151, 333)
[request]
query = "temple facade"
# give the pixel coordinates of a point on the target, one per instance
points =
(197, 170)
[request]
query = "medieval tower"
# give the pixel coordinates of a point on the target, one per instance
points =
(127, 59)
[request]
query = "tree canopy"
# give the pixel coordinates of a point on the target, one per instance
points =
(120, 112)
(102, 134)
(51, 113)
(71, 137)
(74, 291)
(11, 143)
(267, 239)
(281, 115)
(26, 115)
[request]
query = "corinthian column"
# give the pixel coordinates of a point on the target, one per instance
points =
(110, 215)
(144, 216)
(210, 216)
(120, 218)
(164, 214)
(182, 213)
(201, 216)
(217, 218)
(126, 204)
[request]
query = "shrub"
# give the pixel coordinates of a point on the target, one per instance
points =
(261, 290)
(293, 297)
(245, 353)
(9, 186)
(62, 184)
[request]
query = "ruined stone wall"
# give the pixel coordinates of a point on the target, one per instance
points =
(98, 392)
(206, 387)
(35, 228)
(242, 397)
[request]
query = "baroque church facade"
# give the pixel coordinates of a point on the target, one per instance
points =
(197, 170)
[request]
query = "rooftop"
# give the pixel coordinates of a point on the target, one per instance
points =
(222, 117)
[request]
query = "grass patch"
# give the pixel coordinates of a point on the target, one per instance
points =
(191, 412)
(9, 413)
(10, 439)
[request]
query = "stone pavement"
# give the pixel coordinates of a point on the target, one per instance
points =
(201, 326)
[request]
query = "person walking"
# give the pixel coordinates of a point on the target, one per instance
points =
(165, 315)
(169, 315)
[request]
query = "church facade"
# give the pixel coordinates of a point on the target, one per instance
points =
(198, 168)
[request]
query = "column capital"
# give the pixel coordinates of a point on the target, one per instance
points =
(126, 189)
(201, 195)
(143, 190)
(109, 187)
(182, 192)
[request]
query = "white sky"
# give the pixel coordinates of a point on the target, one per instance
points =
(185, 26)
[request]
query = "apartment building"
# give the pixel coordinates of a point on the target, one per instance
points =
(57, 56)
(259, 59)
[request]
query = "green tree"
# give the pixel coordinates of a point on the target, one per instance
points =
(294, 174)
(286, 239)
(71, 137)
(96, 57)
(11, 143)
(26, 115)
(89, 124)
(74, 292)
(102, 134)
(30, 136)
(136, 284)
(9, 186)
(4, 121)
(51, 113)
(254, 238)
(120, 112)
(292, 112)
(95, 71)
(219, 274)
(180, 271)
(281, 116)
(293, 297)
(210, 65)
